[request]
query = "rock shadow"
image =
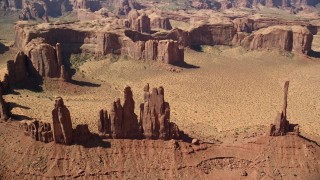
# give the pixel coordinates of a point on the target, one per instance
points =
(95, 141)
(31, 84)
(309, 140)
(186, 138)
(13, 105)
(17, 117)
(3, 48)
(84, 83)
(186, 65)
(197, 48)
(314, 54)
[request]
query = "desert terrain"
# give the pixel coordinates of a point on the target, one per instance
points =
(225, 96)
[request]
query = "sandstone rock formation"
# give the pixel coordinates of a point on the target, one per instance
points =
(165, 51)
(154, 121)
(81, 133)
(92, 5)
(43, 58)
(201, 4)
(244, 25)
(122, 122)
(212, 34)
(33, 10)
(39, 59)
(139, 22)
(281, 125)
(123, 7)
(4, 110)
(17, 69)
(297, 39)
(158, 22)
(62, 125)
(155, 116)
(104, 123)
(38, 130)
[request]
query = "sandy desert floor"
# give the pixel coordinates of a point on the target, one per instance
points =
(221, 93)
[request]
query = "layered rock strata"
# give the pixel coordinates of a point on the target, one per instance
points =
(296, 39)
(165, 51)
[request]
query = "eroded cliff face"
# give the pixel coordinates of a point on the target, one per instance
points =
(212, 34)
(38, 60)
(72, 41)
(167, 46)
(296, 39)
(165, 51)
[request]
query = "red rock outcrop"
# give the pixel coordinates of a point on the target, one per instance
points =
(43, 60)
(238, 38)
(165, 51)
(158, 22)
(130, 119)
(17, 70)
(4, 110)
(201, 4)
(296, 39)
(212, 34)
(141, 23)
(281, 125)
(82, 134)
(104, 123)
(33, 11)
(93, 5)
(154, 121)
(38, 130)
(62, 125)
(123, 120)
(123, 7)
(155, 116)
(244, 25)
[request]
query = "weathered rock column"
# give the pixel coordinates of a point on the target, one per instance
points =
(62, 125)
(4, 110)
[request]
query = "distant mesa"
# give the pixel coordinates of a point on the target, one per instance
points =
(281, 125)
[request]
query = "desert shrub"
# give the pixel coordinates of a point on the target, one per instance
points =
(77, 60)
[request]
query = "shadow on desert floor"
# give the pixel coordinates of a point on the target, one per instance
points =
(84, 83)
(96, 141)
(314, 54)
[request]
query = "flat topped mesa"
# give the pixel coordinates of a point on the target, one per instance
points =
(154, 121)
(281, 125)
